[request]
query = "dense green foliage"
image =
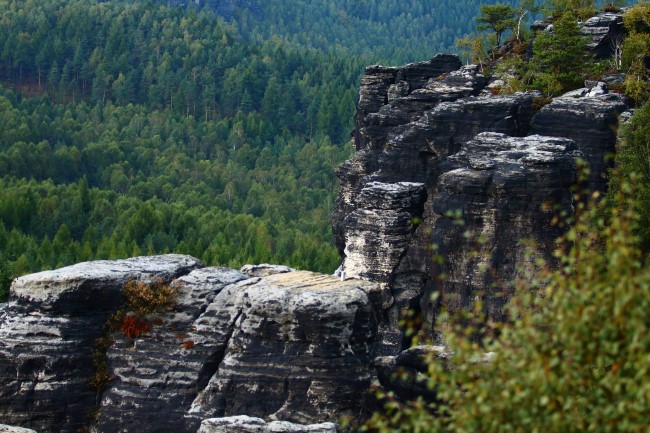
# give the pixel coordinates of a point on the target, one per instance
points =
(162, 130)
(576, 355)
(379, 30)
(633, 159)
(560, 61)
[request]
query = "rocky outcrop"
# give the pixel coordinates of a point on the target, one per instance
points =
(47, 333)
(605, 32)
(11, 429)
(588, 116)
(483, 193)
(294, 334)
(156, 376)
(504, 190)
(272, 347)
(247, 424)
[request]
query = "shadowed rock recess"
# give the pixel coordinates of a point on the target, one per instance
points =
(442, 167)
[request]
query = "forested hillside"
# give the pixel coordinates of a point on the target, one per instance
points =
(138, 128)
(386, 31)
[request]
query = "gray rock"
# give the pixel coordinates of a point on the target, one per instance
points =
(293, 335)
(603, 30)
(157, 375)
(264, 270)
(13, 429)
(48, 331)
(247, 424)
(504, 190)
(405, 141)
(590, 118)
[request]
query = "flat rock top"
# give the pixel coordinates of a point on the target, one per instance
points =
(247, 424)
(51, 284)
(489, 150)
(312, 282)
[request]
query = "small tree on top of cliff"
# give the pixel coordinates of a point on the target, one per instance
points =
(498, 17)
(560, 60)
(578, 9)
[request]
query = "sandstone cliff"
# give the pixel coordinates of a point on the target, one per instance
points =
(287, 345)
(449, 179)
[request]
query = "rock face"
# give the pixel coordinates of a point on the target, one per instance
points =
(247, 424)
(589, 117)
(505, 189)
(47, 332)
(273, 347)
(500, 165)
(293, 335)
(605, 32)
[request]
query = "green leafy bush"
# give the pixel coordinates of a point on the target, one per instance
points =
(576, 355)
(575, 358)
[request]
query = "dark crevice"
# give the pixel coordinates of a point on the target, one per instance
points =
(211, 367)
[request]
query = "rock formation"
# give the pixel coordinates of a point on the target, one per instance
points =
(272, 346)
(247, 424)
(47, 333)
(447, 180)
(446, 169)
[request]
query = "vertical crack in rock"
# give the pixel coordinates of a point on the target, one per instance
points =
(158, 374)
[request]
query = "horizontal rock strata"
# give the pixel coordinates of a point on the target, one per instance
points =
(505, 192)
(271, 346)
(47, 333)
(247, 424)
(419, 133)
(294, 335)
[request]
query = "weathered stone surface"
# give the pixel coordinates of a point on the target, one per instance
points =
(381, 228)
(47, 333)
(294, 335)
(12, 429)
(247, 424)
(588, 116)
(504, 190)
(264, 270)
(404, 142)
(157, 375)
(272, 347)
(605, 31)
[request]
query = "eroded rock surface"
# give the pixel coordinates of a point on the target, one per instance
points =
(289, 346)
(294, 335)
(47, 333)
(506, 191)
(588, 116)
(247, 424)
(156, 376)
(502, 190)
